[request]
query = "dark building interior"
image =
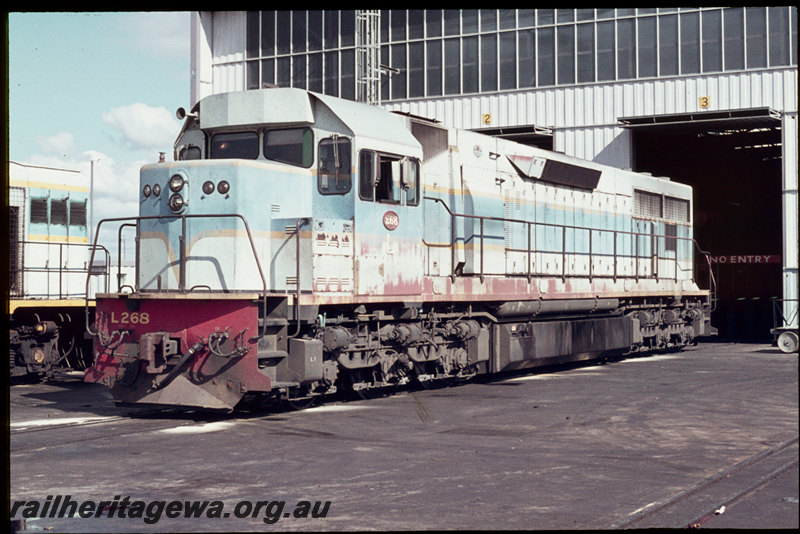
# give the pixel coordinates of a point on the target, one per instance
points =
(733, 162)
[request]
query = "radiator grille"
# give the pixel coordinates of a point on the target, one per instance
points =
(647, 204)
(676, 209)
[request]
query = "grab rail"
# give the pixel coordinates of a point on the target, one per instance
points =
(181, 253)
(531, 248)
(18, 267)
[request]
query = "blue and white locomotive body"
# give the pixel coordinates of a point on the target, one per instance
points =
(348, 247)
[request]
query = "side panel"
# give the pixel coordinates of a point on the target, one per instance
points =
(389, 257)
(524, 345)
(332, 247)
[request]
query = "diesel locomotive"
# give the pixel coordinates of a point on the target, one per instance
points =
(301, 244)
(48, 260)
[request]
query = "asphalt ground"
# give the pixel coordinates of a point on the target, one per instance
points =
(657, 441)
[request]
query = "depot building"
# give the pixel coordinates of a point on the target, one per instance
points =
(703, 96)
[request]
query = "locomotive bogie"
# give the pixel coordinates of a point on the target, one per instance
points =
(320, 245)
(34, 349)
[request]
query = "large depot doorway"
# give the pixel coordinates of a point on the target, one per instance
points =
(733, 162)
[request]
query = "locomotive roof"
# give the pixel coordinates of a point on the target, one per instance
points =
(383, 129)
(285, 106)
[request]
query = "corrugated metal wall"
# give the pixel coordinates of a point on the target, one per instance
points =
(227, 43)
(585, 117)
(602, 104)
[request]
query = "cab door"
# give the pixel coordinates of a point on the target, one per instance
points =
(388, 225)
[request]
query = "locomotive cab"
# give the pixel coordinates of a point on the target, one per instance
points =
(311, 164)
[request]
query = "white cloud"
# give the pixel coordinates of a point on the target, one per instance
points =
(158, 34)
(60, 145)
(115, 184)
(143, 127)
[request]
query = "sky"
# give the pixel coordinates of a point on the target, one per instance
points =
(99, 87)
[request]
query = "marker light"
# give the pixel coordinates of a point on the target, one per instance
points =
(176, 202)
(208, 188)
(223, 187)
(157, 190)
(146, 191)
(176, 183)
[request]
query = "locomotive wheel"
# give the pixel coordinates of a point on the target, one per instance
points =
(788, 341)
(423, 379)
(462, 379)
(427, 383)
(376, 392)
(367, 376)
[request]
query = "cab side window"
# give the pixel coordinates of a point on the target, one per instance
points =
(411, 182)
(334, 176)
(366, 175)
(388, 178)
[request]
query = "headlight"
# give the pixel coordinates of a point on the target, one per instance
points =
(146, 191)
(176, 183)
(176, 202)
(208, 188)
(223, 187)
(157, 190)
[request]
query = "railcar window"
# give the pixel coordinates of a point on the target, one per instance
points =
(15, 252)
(77, 213)
(39, 210)
(294, 146)
(241, 145)
(58, 212)
(335, 171)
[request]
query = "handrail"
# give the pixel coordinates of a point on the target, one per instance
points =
(119, 254)
(182, 252)
(712, 280)
(779, 319)
(15, 272)
(636, 238)
(300, 222)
